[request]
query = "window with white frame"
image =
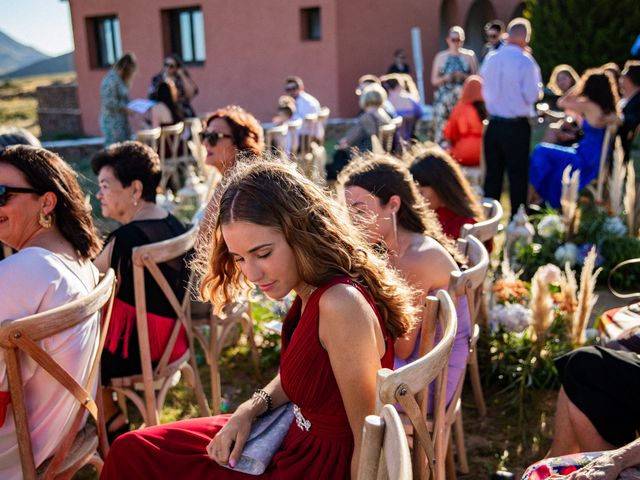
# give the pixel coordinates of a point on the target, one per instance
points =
(186, 34)
(106, 47)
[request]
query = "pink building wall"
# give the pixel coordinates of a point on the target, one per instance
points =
(251, 46)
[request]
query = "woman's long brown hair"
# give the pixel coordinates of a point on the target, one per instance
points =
(324, 242)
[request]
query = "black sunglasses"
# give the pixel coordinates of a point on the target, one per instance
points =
(213, 137)
(6, 191)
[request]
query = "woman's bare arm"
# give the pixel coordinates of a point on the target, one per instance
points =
(349, 331)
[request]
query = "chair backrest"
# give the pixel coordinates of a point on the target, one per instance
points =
(149, 257)
(383, 437)
(170, 142)
(408, 385)
(470, 282)
(307, 131)
(489, 228)
(386, 134)
(149, 137)
(293, 136)
(21, 336)
(609, 136)
(277, 133)
(323, 115)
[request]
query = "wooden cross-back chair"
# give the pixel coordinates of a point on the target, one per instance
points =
(150, 137)
(77, 447)
(293, 137)
(220, 328)
(385, 452)
(408, 386)
(170, 141)
(489, 228)
(308, 128)
(323, 118)
(275, 136)
(386, 134)
(470, 283)
(192, 128)
(161, 378)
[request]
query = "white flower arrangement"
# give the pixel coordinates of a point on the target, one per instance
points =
(550, 225)
(513, 316)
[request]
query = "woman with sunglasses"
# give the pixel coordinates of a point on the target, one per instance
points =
(451, 67)
(44, 216)
(174, 71)
(231, 132)
(128, 176)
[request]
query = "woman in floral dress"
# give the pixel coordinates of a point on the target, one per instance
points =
(450, 69)
(114, 91)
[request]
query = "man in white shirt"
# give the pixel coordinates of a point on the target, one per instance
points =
(511, 85)
(306, 104)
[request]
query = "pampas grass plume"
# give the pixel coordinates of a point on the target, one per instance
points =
(586, 298)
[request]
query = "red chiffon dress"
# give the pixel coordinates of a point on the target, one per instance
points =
(178, 450)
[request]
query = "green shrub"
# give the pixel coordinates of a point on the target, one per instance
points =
(582, 33)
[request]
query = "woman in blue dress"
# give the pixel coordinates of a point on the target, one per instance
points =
(595, 98)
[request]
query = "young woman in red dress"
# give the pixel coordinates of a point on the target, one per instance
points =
(278, 231)
(445, 188)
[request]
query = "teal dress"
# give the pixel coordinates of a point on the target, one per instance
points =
(114, 120)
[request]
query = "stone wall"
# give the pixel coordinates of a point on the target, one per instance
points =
(59, 111)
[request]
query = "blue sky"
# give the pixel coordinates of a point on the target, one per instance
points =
(42, 24)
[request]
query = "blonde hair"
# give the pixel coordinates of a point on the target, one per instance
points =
(373, 95)
(324, 242)
(459, 30)
(557, 70)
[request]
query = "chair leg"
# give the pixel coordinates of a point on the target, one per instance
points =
(216, 394)
(463, 464)
(476, 385)
(197, 386)
(451, 467)
(247, 325)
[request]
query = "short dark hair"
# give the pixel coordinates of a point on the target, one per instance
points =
(494, 25)
(47, 172)
(632, 71)
(398, 51)
(294, 79)
(131, 161)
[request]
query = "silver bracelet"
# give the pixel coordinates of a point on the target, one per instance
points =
(265, 397)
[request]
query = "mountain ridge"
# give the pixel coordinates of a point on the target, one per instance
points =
(15, 55)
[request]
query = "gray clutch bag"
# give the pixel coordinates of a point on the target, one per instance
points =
(267, 434)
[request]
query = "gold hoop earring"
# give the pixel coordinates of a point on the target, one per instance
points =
(45, 220)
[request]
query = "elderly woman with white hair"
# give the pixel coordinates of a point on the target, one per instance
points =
(358, 137)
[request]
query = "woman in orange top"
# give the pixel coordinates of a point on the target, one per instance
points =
(464, 127)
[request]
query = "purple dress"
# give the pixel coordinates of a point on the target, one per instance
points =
(459, 353)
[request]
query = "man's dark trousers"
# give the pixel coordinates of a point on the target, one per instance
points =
(506, 146)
